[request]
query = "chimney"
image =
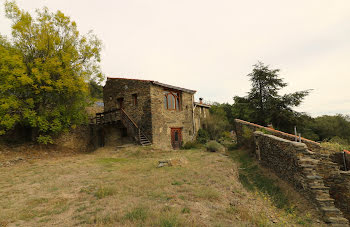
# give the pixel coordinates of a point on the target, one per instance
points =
(200, 100)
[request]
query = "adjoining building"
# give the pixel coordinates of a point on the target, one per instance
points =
(151, 112)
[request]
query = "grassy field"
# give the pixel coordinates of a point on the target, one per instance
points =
(124, 187)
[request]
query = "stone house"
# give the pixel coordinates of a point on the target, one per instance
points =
(151, 112)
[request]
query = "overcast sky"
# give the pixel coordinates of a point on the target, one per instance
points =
(211, 45)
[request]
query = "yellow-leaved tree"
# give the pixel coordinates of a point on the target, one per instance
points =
(44, 73)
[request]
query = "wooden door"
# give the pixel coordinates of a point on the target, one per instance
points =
(176, 138)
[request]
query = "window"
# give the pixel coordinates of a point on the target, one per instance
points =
(172, 100)
(134, 99)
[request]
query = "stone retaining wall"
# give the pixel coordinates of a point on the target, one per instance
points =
(241, 125)
(295, 163)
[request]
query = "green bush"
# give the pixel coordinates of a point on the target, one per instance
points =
(247, 133)
(332, 146)
(226, 135)
(191, 145)
(264, 130)
(214, 146)
(202, 136)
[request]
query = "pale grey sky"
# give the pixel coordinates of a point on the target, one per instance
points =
(210, 46)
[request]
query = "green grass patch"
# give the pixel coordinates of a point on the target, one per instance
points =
(106, 161)
(137, 214)
(169, 219)
(208, 194)
(252, 179)
(185, 210)
(104, 191)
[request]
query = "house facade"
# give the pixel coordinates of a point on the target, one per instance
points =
(158, 113)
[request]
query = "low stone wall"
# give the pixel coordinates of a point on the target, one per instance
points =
(295, 163)
(338, 157)
(241, 125)
(340, 190)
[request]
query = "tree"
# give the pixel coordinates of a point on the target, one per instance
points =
(263, 104)
(96, 89)
(44, 72)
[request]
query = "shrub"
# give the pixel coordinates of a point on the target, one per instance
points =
(202, 136)
(216, 125)
(264, 130)
(226, 135)
(334, 146)
(247, 133)
(191, 145)
(214, 146)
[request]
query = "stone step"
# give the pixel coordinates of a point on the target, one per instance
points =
(313, 177)
(337, 220)
(319, 187)
(325, 202)
(321, 193)
(330, 211)
(307, 166)
(308, 161)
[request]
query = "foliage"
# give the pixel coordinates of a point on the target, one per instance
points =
(263, 104)
(95, 89)
(216, 123)
(213, 146)
(191, 145)
(202, 136)
(334, 146)
(247, 133)
(226, 135)
(264, 130)
(44, 72)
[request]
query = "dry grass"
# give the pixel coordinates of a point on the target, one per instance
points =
(125, 188)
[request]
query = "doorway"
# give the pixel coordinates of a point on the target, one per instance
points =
(120, 102)
(176, 138)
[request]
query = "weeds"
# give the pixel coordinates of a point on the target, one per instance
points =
(186, 210)
(104, 191)
(137, 214)
(208, 194)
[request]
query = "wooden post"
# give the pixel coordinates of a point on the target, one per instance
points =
(344, 159)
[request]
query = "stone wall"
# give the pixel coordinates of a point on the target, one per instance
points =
(140, 112)
(240, 125)
(337, 180)
(200, 114)
(163, 119)
(338, 157)
(295, 163)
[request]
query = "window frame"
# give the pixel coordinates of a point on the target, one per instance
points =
(134, 99)
(175, 101)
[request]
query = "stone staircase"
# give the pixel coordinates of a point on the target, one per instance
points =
(319, 192)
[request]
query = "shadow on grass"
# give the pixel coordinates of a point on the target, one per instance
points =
(252, 179)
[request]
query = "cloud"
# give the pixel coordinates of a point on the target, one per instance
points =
(210, 46)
